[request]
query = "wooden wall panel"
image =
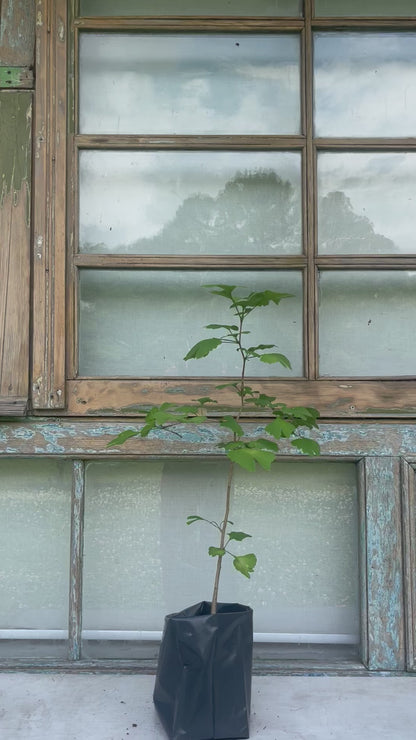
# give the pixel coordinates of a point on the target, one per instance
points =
(17, 33)
(15, 159)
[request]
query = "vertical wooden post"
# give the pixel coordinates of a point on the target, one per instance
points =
(48, 374)
(75, 576)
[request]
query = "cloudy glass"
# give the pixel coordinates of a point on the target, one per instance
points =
(365, 84)
(367, 323)
(191, 7)
(189, 83)
(303, 520)
(142, 323)
(370, 8)
(35, 512)
(190, 202)
(367, 203)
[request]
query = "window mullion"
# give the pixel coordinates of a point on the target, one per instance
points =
(75, 582)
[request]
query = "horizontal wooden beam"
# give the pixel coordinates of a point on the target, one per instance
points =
(334, 398)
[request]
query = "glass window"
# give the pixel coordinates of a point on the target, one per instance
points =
(190, 202)
(141, 323)
(366, 202)
(367, 323)
(365, 84)
(191, 7)
(189, 84)
(35, 511)
(328, 8)
(303, 519)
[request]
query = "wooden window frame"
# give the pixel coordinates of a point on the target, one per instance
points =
(55, 386)
(386, 519)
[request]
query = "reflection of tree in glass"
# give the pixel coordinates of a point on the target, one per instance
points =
(342, 231)
(256, 213)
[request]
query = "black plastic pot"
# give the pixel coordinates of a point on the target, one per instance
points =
(203, 682)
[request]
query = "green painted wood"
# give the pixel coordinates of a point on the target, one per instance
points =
(16, 77)
(385, 609)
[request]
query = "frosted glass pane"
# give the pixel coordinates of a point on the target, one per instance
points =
(189, 84)
(35, 509)
(142, 323)
(190, 7)
(328, 8)
(367, 323)
(367, 202)
(142, 561)
(190, 202)
(365, 84)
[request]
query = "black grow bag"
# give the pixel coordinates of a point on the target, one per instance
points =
(203, 681)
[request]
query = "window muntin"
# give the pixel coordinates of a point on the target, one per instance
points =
(366, 202)
(191, 7)
(367, 321)
(190, 202)
(303, 519)
(365, 84)
(189, 84)
(141, 323)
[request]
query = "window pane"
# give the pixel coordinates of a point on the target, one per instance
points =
(189, 84)
(366, 202)
(367, 323)
(142, 562)
(35, 510)
(365, 84)
(368, 8)
(190, 202)
(191, 7)
(141, 323)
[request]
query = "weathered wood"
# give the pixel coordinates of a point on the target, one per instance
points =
(200, 142)
(184, 262)
(16, 77)
(15, 159)
(75, 586)
(409, 557)
(163, 23)
(334, 398)
(48, 390)
(17, 33)
(88, 438)
(386, 643)
(362, 561)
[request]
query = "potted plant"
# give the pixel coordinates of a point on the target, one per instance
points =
(203, 682)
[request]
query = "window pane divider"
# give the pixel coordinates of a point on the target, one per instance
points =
(188, 262)
(376, 23)
(367, 144)
(367, 262)
(218, 142)
(183, 24)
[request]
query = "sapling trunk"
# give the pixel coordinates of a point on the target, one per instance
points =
(224, 526)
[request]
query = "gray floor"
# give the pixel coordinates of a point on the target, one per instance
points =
(113, 707)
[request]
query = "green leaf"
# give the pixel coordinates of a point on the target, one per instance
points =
(230, 423)
(245, 564)
(230, 327)
(247, 457)
(264, 444)
(216, 552)
(263, 401)
(122, 437)
(272, 357)
(203, 348)
(308, 446)
(238, 536)
(280, 428)
(226, 291)
(194, 518)
(226, 385)
(264, 297)
(205, 400)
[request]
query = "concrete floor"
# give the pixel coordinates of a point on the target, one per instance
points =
(116, 707)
